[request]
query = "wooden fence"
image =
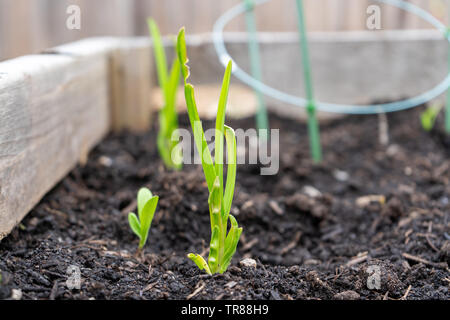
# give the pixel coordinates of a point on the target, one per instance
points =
(29, 26)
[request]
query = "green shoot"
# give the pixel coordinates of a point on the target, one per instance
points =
(428, 117)
(223, 244)
(168, 118)
(146, 205)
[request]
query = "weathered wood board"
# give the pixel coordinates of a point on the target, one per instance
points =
(29, 26)
(129, 79)
(56, 106)
(50, 117)
(131, 85)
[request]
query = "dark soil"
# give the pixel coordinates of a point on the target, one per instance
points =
(307, 244)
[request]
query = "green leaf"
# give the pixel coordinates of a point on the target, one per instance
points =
(146, 218)
(168, 118)
(160, 55)
(168, 121)
(169, 109)
(231, 172)
(143, 196)
(220, 122)
(199, 137)
(231, 243)
(172, 86)
(176, 155)
(215, 205)
(428, 117)
(196, 124)
(172, 116)
(222, 246)
(213, 259)
(134, 224)
(200, 262)
(163, 142)
(234, 226)
(182, 54)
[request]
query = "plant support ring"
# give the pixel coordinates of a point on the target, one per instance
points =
(224, 57)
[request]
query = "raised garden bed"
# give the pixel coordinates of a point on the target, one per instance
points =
(315, 231)
(306, 247)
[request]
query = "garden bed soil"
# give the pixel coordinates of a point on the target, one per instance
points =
(307, 244)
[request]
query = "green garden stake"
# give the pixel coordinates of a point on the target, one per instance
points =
(262, 121)
(313, 126)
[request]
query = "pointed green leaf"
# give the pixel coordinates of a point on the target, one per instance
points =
(172, 86)
(182, 54)
(162, 141)
(134, 224)
(231, 172)
(146, 218)
(234, 226)
(168, 119)
(197, 128)
(220, 121)
(169, 109)
(176, 155)
(143, 196)
(160, 55)
(200, 262)
(231, 243)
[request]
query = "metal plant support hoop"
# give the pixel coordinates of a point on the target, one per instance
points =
(224, 57)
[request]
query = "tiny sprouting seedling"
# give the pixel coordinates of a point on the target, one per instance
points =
(223, 244)
(428, 117)
(146, 205)
(168, 119)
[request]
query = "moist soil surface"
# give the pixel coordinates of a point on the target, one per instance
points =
(370, 222)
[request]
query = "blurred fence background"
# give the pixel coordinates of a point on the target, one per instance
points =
(29, 26)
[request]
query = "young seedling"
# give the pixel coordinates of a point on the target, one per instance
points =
(223, 244)
(428, 117)
(168, 118)
(146, 205)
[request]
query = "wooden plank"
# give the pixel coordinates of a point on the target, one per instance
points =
(53, 110)
(356, 14)
(29, 26)
(131, 85)
(20, 29)
(130, 77)
(98, 18)
(55, 107)
(316, 15)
